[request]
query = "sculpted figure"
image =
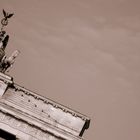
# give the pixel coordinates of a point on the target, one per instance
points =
(6, 63)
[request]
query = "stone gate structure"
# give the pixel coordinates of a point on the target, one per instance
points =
(25, 115)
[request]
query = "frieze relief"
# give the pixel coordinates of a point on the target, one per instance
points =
(25, 128)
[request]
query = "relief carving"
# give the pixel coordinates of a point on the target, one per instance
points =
(32, 130)
(24, 127)
(1, 116)
(6, 119)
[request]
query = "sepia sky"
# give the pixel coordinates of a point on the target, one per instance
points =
(84, 54)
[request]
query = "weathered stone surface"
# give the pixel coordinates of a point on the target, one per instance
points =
(30, 116)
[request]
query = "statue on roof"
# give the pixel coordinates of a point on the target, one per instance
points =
(6, 63)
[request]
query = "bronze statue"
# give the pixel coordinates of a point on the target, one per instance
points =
(4, 21)
(5, 63)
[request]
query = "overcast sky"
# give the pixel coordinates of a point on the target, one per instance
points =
(84, 54)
